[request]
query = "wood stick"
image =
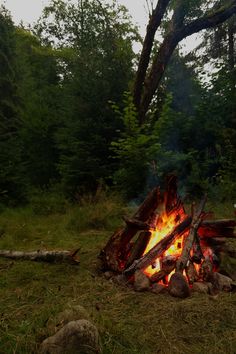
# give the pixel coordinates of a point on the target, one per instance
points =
(139, 247)
(183, 259)
(42, 256)
(160, 247)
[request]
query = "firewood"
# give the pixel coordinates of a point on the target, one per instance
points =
(167, 265)
(191, 273)
(42, 256)
(140, 225)
(139, 247)
(206, 269)
(188, 243)
(197, 250)
(113, 255)
(160, 247)
(219, 223)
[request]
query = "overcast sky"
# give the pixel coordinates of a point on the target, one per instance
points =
(30, 10)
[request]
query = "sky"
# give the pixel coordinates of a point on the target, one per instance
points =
(29, 11)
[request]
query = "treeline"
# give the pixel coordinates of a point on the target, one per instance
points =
(67, 119)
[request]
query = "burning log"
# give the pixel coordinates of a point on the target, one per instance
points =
(43, 256)
(217, 228)
(139, 247)
(160, 247)
(113, 255)
(167, 265)
(197, 251)
(183, 259)
(191, 273)
(136, 223)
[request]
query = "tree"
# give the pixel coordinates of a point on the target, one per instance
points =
(188, 17)
(94, 46)
(11, 176)
(39, 91)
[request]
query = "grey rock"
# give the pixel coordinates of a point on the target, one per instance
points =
(201, 287)
(75, 337)
(141, 281)
(178, 286)
(220, 281)
(158, 288)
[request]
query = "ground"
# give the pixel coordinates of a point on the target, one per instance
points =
(128, 322)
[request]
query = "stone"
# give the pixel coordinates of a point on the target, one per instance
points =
(72, 312)
(158, 288)
(141, 281)
(178, 286)
(200, 287)
(220, 281)
(75, 337)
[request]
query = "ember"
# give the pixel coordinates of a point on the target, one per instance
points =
(172, 248)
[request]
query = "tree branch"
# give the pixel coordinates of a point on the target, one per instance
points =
(212, 20)
(154, 23)
(175, 35)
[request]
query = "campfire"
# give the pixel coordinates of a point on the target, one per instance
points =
(163, 247)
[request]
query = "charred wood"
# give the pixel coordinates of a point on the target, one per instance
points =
(139, 247)
(188, 243)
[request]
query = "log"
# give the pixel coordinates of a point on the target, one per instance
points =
(139, 247)
(191, 273)
(43, 256)
(197, 250)
(219, 223)
(113, 255)
(160, 247)
(188, 243)
(167, 265)
(140, 225)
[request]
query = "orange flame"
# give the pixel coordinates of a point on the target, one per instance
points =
(164, 225)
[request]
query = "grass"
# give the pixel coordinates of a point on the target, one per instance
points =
(33, 294)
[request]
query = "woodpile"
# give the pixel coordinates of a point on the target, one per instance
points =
(187, 250)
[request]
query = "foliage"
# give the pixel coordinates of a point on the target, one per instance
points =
(11, 178)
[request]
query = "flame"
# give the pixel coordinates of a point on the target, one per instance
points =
(164, 225)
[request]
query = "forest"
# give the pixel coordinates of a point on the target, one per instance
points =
(70, 125)
(88, 126)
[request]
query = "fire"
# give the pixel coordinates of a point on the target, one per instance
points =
(164, 225)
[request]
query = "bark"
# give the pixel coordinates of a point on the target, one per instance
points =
(154, 23)
(160, 248)
(42, 256)
(140, 225)
(177, 32)
(185, 255)
(197, 250)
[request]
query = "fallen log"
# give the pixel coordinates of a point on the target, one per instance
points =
(160, 247)
(43, 256)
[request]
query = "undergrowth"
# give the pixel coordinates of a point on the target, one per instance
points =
(128, 322)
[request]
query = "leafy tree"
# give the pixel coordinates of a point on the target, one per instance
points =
(188, 17)
(94, 44)
(11, 180)
(40, 115)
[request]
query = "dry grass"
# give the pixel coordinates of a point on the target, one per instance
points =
(143, 323)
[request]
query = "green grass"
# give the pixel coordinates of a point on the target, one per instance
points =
(32, 294)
